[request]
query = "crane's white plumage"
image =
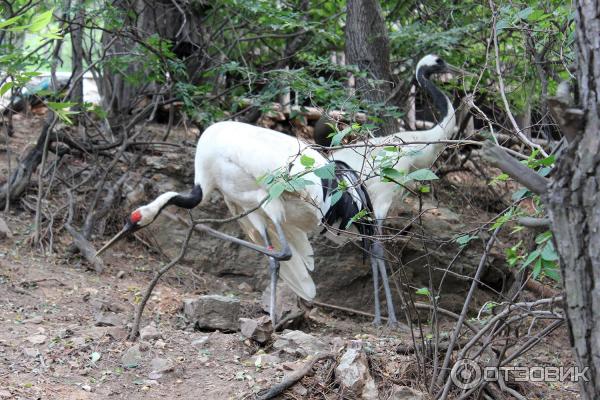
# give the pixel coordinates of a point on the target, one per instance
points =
(368, 158)
(234, 170)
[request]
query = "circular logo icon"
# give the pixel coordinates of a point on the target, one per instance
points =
(466, 374)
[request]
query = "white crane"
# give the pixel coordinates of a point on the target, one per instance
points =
(231, 157)
(368, 159)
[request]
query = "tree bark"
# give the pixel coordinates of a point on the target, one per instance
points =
(367, 46)
(574, 205)
(180, 24)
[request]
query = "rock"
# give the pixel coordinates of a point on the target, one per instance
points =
(132, 357)
(107, 319)
(34, 320)
(259, 329)
(159, 344)
(352, 372)
(200, 341)
(30, 352)
(105, 305)
(370, 391)
(4, 230)
(87, 388)
(150, 332)
(245, 288)
(286, 300)
(5, 394)
(406, 393)
(298, 342)
(213, 312)
(260, 360)
(161, 365)
(37, 339)
(154, 376)
(300, 390)
(121, 274)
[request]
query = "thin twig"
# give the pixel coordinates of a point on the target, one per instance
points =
(135, 327)
(463, 314)
(511, 118)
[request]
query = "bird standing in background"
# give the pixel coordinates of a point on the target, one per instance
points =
(233, 158)
(367, 161)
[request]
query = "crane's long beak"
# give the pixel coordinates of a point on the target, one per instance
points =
(126, 229)
(459, 71)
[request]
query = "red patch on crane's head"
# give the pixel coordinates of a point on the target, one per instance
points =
(270, 248)
(136, 216)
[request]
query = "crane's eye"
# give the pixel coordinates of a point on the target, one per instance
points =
(439, 61)
(136, 216)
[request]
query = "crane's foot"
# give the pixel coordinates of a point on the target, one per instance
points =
(392, 323)
(376, 321)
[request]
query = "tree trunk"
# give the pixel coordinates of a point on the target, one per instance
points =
(367, 46)
(180, 26)
(574, 205)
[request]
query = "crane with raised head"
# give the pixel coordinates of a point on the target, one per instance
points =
(368, 155)
(233, 158)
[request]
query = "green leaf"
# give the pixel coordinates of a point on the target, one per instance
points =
(548, 161)
(422, 175)
(530, 258)
(6, 87)
(423, 291)
(336, 196)
(549, 252)
(10, 21)
(525, 13)
(543, 237)
(393, 174)
(357, 217)
(276, 190)
(464, 239)
(41, 21)
(307, 161)
(519, 194)
(326, 171)
(552, 272)
(339, 136)
(297, 184)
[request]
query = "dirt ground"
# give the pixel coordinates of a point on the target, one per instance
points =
(51, 346)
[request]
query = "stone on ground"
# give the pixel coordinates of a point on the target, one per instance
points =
(259, 329)
(213, 312)
(298, 342)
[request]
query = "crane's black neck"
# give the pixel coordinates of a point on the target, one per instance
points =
(348, 206)
(440, 101)
(188, 201)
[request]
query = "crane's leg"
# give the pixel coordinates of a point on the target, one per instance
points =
(379, 255)
(282, 255)
(274, 268)
(375, 269)
(274, 272)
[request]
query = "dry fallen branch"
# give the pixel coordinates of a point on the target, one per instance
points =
(85, 247)
(294, 377)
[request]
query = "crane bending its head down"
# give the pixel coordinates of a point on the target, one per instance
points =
(231, 157)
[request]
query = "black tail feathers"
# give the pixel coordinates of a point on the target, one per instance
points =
(353, 201)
